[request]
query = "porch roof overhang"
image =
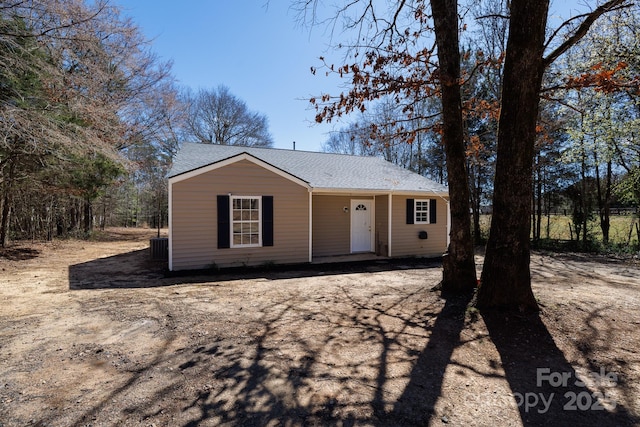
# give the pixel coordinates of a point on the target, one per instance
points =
(376, 192)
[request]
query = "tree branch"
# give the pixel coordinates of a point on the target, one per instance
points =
(582, 30)
(493, 15)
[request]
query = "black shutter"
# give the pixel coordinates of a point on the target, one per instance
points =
(224, 225)
(410, 214)
(267, 220)
(432, 211)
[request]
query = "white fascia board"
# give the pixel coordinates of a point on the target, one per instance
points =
(362, 191)
(235, 159)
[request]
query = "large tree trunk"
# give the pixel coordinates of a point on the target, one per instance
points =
(538, 199)
(476, 193)
(585, 204)
(88, 216)
(4, 218)
(604, 200)
(459, 272)
(5, 214)
(506, 280)
(606, 215)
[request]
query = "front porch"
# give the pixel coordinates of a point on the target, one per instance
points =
(359, 257)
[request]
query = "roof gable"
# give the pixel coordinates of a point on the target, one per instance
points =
(177, 177)
(318, 171)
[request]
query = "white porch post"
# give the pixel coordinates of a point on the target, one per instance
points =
(448, 224)
(390, 222)
(310, 226)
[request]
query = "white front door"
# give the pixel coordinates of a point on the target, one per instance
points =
(361, 226)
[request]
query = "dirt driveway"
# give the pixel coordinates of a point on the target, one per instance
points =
(93, 334)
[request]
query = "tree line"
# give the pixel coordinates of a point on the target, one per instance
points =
(90, 119)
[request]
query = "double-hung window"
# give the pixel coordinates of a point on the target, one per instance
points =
(421, 211)
(246, 221)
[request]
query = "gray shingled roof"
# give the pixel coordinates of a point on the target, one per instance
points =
(324, 171)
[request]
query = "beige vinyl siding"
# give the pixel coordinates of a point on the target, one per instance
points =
(382, 225)
(194, 218)
(405, 236)
(331, 225)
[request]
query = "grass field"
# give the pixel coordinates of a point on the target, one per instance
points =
(559, 229)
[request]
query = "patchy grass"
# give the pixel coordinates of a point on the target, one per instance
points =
(558, 228)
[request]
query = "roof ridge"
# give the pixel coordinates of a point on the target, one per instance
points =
(284, 150)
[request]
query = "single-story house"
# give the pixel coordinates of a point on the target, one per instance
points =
(235, 206)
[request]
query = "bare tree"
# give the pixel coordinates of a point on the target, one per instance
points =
(77, 85)
(352, 139)
(375, 132)
(218, 117)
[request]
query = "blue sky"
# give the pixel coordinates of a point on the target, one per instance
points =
(256, 49)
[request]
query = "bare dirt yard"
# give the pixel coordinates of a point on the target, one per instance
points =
(92, 333)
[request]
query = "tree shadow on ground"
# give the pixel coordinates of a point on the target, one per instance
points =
(128, 270)
(290, 363)
(136, 270)
(545, 386)
(416, 405)
(269, 369)
(289, 380)
(267, 373)
(19, 254)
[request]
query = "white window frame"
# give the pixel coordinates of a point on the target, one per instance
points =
(422, 215)
(233, 222)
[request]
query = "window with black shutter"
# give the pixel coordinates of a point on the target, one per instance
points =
(421, 211)
(245, 221)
